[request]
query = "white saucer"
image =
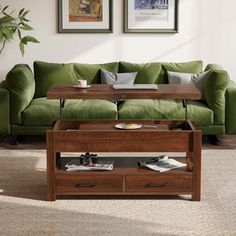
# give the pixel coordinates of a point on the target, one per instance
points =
(79, 87)
(128, 126)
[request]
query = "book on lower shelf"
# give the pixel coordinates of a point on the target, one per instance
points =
(164, 164)
(75, 165)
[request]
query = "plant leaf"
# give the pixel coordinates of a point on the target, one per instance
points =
(21, 11)
(8, 33)
(26, 20)
(24, 14)
(1, 36)
(6, 19)
(28, 39)
(19, 34)
(22, 48)
(25, 27)
(5, 8)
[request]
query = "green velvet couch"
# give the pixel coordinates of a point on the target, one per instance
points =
(25, 110)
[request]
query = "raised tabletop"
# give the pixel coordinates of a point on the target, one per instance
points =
(104, 91)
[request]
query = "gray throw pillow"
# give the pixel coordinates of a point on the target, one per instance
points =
(188, 78)
(117, 78)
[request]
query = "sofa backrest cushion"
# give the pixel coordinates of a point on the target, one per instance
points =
(47, 74)
(21, 85)
(193, 67)
(92, 72)
(156, 72)
(148, 73)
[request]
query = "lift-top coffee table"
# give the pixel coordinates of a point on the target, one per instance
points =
(101, 136)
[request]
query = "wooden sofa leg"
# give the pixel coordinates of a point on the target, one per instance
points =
(213, 140)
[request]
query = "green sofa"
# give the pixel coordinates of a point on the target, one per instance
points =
(25, 110)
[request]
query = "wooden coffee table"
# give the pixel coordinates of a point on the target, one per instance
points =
(102, 136)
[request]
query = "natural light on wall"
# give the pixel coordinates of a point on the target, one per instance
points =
(205, 33)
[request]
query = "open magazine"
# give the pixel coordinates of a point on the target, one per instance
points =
(75, 165)
(164, 164)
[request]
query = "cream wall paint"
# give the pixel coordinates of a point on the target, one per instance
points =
(206, 32)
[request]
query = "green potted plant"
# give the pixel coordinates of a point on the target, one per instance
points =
(12, 25)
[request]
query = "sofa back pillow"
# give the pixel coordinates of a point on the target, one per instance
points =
(194, 67)
(21, 85)
(117, 78)
(189, 78)
(148, 73)
(47, 74)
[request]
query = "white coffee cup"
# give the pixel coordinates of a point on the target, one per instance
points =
(81, 83)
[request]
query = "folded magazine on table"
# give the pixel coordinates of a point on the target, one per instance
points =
(164, 164)
(75, 165)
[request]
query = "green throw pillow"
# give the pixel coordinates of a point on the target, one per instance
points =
(148, 73)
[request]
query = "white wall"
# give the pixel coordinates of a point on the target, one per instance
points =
(206, 32)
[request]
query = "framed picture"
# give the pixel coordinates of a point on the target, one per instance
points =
(85, 16)
(151, 16)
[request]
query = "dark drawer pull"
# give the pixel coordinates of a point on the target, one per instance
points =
(156, 185)
(85, 185)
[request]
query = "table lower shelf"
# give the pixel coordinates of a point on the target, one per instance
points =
(124, 181)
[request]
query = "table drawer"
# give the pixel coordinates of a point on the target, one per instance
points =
(159, 183)
(88, 183)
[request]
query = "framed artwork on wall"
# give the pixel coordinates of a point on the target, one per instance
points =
(85, 16)
(151, 16)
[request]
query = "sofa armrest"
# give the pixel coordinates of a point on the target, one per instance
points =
(21, 85)
(5, 111)
(231, 108)
(215, 85)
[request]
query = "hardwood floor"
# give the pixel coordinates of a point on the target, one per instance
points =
(226, 142)
(39, 142)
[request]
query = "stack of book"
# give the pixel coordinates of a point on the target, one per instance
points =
(75, 165)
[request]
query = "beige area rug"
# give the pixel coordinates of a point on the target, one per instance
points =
(25, 211)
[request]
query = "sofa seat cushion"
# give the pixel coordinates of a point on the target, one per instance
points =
(42, 111)
(165, 109)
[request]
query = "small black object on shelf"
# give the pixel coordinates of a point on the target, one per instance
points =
(152, 160)
(88, 158)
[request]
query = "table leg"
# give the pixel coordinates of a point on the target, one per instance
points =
(197, 144)
(189, 159)
(51, 162)
(62, 104)
(185, 105)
